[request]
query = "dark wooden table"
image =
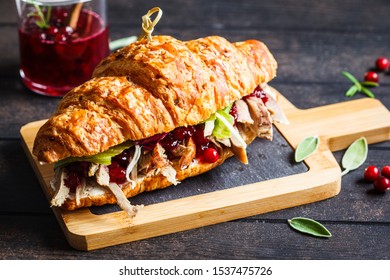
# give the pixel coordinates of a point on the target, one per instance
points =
(313, 42)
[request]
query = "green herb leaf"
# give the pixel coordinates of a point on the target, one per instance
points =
(359, 86)
(369, 84)
(120, 43)
(48, 15)
(355, 155)
(309, 226)
(40, 24)
(368, 92)
(43, 21)
(352, 79)
(351, 91)
(306, 148)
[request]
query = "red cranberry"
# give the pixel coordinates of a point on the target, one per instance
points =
(371, 76)
(386, 171)
(210, 155)
(371, 173)
(123, 158)
(52, 30)
(382, 63)
(62, 36)
(117, 173)
(382, 184)
(72, 180)
(50, 33)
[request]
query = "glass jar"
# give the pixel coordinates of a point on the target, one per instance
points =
(60, 43)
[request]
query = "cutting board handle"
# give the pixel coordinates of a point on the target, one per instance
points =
(338, 124)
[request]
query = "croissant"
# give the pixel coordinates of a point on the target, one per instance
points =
(160, 104)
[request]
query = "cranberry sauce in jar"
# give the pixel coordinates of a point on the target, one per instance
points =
(55, 58)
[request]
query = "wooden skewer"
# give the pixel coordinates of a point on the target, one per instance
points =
(148, 24)
(74, 17)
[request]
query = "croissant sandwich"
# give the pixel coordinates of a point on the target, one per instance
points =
(154, 113)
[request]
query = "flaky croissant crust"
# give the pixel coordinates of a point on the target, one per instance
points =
(152, 87)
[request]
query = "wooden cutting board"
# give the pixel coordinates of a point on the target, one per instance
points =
(337, 125)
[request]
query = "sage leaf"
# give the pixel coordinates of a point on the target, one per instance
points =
(309, 226)
(306, 148)
(355, 155)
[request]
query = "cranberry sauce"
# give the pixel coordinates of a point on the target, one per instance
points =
(177, 137)
(206, 151)
(233, 112)
(202, 142)
(259, 93)
(117, 173)
(57, 58)
(75, 172)
(181, 135)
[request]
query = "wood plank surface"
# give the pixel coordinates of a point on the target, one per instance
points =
(88, 231)
(254, 242)
(312, 41)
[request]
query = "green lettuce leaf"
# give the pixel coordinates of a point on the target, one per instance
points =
(221, 130)
(101, 158)
(222, 125)
(234, 134)
(216, 126)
